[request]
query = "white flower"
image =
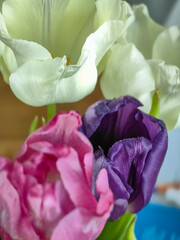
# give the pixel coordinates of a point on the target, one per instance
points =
(146, 62)
(50, 49)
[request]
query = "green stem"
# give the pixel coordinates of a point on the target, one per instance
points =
(51, 111)
(155, 109)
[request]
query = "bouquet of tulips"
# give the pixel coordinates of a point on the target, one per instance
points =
(84, 177)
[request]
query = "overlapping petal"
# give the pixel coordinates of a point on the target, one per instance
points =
(167, 46)
(58, 28)
(143, 31)
(130, 145)
(167, 79)
(43, 82)
(128, 73)
(49, 182)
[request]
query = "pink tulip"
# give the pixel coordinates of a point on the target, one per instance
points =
(45, 194)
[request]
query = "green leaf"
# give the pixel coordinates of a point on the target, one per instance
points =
(51, 111)
(33, 126)
(43, 121)
(122, 229)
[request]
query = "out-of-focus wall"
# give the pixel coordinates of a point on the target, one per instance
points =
(159, 9)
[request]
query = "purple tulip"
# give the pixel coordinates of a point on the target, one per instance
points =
(130, 145)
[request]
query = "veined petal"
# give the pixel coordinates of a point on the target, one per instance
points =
(99, 42)
(167, 46)
(23, 19)
(128, 73)
(53, 23)
(143, 31)
(71, 23)
(39, 83)
(113, 10)
(25, 51)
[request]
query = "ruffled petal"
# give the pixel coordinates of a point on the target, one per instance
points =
(143, 31)
(85, 226)
(39, 83)
(128, 73)
(74, 181)
(167, 46)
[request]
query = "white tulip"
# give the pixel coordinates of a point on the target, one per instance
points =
(51, 48)
(146, 64)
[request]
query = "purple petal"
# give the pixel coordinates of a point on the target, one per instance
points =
(131, 145)
(151, 169)
(104, 123)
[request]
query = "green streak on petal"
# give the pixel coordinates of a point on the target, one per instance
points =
(51, 111)
(155, 109)
(122, 229)
(33, 126)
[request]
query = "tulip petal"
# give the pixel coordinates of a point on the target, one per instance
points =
(85, 226)
(71, 23)
(24, 19)
(167, 46)
(4, 70)
(39, 83)
(167, 80)
(74, 181)
(113, 10)
(100, 41)
(10, 215)
(25, 51)
(143, 31)
(170, 101)
(128, 73)
(4, 29)
(151, 169)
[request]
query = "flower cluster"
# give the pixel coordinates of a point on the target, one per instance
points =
(74, 174)
(56, 188)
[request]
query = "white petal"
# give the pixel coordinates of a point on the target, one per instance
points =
(71, 23)
(167, 46)
(143, 31)
(101, 41)
(61, 26)
(23, 19)
(128, 73)
(25, 51)
(9, 59)
(39, 83)
(169, 92)
(4, 29)
(113, 10)
(4, 70)
(167, 81)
